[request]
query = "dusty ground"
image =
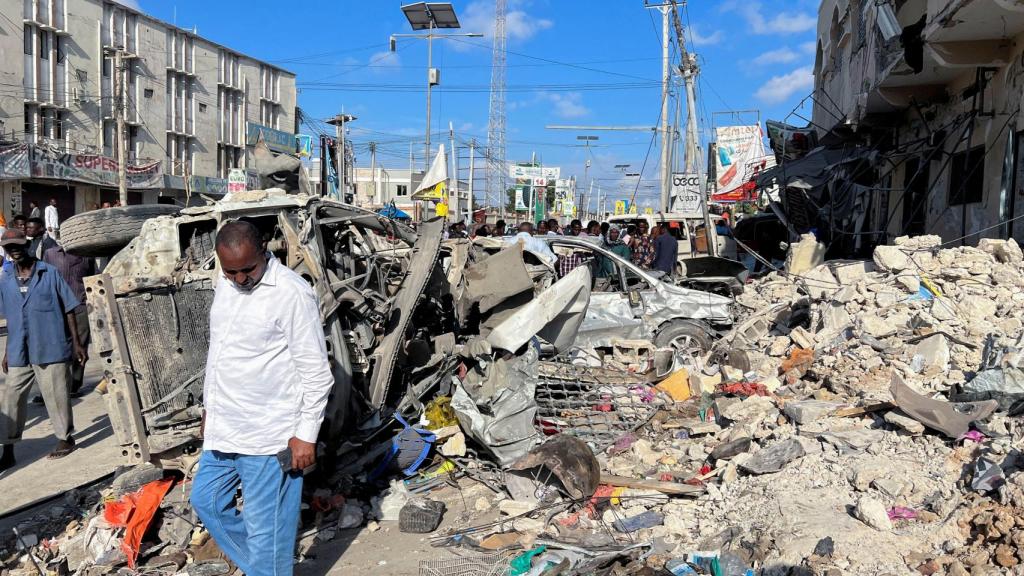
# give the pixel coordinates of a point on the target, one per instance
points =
(36, 477)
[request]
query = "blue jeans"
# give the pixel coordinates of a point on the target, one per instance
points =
(261, 538)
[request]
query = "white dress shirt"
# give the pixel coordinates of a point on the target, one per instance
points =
(267, 373)
(50, 218)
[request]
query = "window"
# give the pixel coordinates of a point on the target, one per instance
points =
(967, 176)
(106, 67)
(401, 190)
(30, 123)
(61, 52)
(28, 39)
(44, 45)
(202, 108)
(147, 93)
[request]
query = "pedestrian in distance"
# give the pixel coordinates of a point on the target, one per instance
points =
(499, 228)
(33, 210)
(575, 227)
(40, 310)
(52, 219)
(641, 246)
(666, 251)
(265, 390)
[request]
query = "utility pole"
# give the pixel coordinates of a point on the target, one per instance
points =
(122, 161)
(469, 209)
(533, 191)
(373, 172)
(454, 191)
(340, 159)
(688, 66)
(666, 137)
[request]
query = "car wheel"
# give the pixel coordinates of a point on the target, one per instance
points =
(688, 339)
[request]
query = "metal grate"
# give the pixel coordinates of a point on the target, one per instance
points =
(485, 565)
(597, 406)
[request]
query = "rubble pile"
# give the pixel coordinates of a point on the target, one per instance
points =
(860, 417)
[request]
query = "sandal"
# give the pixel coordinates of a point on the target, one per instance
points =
(63, 448)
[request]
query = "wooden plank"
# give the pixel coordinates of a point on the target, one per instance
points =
(675, 488)
(860, 410)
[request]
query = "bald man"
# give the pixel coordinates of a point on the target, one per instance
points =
(266, 387)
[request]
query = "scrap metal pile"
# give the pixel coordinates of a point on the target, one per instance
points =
(859, 418)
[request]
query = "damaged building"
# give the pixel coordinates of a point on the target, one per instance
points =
(921, 101)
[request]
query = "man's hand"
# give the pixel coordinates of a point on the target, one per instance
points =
(303, 453)
(81, 355)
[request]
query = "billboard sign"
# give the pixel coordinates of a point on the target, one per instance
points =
(531, 172)
(737, 146)
(686, 192)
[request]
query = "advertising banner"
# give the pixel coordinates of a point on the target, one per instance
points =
(789, 142)
(25, 161)
(545, 172)
(520, 206)
(686, 193)
(236, 180)
(737, 146)
(620, 207)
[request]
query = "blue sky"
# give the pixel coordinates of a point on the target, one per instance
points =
(594, 62)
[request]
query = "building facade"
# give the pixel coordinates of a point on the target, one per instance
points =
(935, 88)
(192, 107)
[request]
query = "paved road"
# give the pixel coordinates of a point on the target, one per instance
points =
(36, 477)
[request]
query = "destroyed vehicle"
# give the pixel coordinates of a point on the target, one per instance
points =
(632, 303)
(149, 310)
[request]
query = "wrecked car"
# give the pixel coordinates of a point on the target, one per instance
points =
(149, 310)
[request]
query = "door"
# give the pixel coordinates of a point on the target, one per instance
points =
(615, 311)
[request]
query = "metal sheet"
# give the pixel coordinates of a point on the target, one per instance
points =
(610, 317)
(386, 355)
(498, 277)
(555, 315)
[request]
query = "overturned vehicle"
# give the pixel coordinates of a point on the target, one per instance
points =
(404, 314)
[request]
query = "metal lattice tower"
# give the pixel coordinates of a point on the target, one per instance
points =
(496, 169)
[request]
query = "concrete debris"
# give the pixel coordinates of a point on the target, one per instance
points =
(862, 418)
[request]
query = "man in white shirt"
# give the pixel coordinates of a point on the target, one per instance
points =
(50, 217)
(266, 387)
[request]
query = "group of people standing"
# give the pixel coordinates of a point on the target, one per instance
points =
(654, 249)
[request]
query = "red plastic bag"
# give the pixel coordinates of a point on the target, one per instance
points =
(135, 512)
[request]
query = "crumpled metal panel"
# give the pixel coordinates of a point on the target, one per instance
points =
(555, 315)
(596, 406)
(386, 355)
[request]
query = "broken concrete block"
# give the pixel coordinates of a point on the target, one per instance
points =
(701, 382)
(729, 450)
(806, 411)
(805, 254)
(889, 486)
(942, 309)
(872, 512)
(922, 242)
(876, 326)
(774, 458)
(753, 410)
(848, 272)
(977, 307)
(454, 446)
(910, 283)
(730, 374)
(834, 317)
(801, 337)
(779, 346)
(931, 353)
(819, 283)
(1005, 251)
(891, 259)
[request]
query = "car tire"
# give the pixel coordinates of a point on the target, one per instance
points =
(105, 231)
(687, 337)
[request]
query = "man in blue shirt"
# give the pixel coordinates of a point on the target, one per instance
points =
(41, 337)
(666, 250)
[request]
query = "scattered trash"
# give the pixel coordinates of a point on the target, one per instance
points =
(420, 516)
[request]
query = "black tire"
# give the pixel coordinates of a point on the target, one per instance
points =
(104, 232)
(697, 337)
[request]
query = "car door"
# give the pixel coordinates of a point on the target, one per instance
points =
(616, 310)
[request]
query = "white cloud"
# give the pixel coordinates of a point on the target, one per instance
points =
(693, 35)
(520, 26)
(778, 88)
(567, 104)
(383, 60)
(809, 47)
(778, 56)
(779, 23)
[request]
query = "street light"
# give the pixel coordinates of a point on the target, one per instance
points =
(430, 16)
(585, 198)
(338, 122)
